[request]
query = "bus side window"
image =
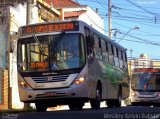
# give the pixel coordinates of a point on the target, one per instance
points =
(107, 54)
(116, 60)
(97, 47)
(113, 62)
(124, 60)
(110, 54)
(104, 52)
(88, 41)
(120, 59)
(100, 47)
(121, 55)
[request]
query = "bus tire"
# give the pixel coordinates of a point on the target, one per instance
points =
(76, 106)
(110, 103)
(40, 107)
(134, 104)
(95, 103)
(118, 101)
(156, 105)
(115, 102)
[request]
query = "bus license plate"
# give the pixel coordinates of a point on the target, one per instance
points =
(50, 94)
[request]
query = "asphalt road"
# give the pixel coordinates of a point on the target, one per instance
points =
(126, 112)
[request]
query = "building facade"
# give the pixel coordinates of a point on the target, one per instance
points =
(80, 12)
(4, 49)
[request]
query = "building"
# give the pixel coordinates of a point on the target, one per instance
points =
(4, 49)
(12, 16)
(72, 10)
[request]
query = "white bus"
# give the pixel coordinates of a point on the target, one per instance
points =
(145, 87)
(70, 63)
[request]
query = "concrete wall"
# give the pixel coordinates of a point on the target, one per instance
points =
(3, 58)
(17, 19)
(3, 45)
(4, 87)
(4, 31)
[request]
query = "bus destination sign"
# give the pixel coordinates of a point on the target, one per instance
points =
(44, 28)
(151, 70)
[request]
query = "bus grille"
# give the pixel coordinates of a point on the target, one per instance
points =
(46, 79)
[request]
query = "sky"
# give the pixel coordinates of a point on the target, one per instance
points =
(125, 16)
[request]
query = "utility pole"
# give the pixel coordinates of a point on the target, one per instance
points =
(131, 52)
(28, 21)
(109, 18)
(155, 20)
(130, 66)
(29, 12)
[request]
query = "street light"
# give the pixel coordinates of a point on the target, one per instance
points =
(134, 28)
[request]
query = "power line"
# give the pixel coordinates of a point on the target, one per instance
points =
(140, 21)
(145, 35)
(134, 41)
(132, 10)
(144, 41)
(142, 8)
(136, 18)
(101, 4)
(91, 19)
(133, 20)
(150, 20)
(93, 1)
(131, 5)
(139, 29)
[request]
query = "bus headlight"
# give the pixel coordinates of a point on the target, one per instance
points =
(23, 84)
(133, 93)
(79, 80)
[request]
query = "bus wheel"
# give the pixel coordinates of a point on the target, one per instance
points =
(110, 103)
(118, 100)
(76, 106)
(115, 102)
(156, 105)
(40, 107)
(95, 103)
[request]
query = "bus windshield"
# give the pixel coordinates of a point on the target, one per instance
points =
(50, 53)
(146, 81)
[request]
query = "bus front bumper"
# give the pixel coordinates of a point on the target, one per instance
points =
(140, 99)
(60, 95)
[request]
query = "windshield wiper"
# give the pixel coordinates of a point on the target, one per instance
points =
(37, 41)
